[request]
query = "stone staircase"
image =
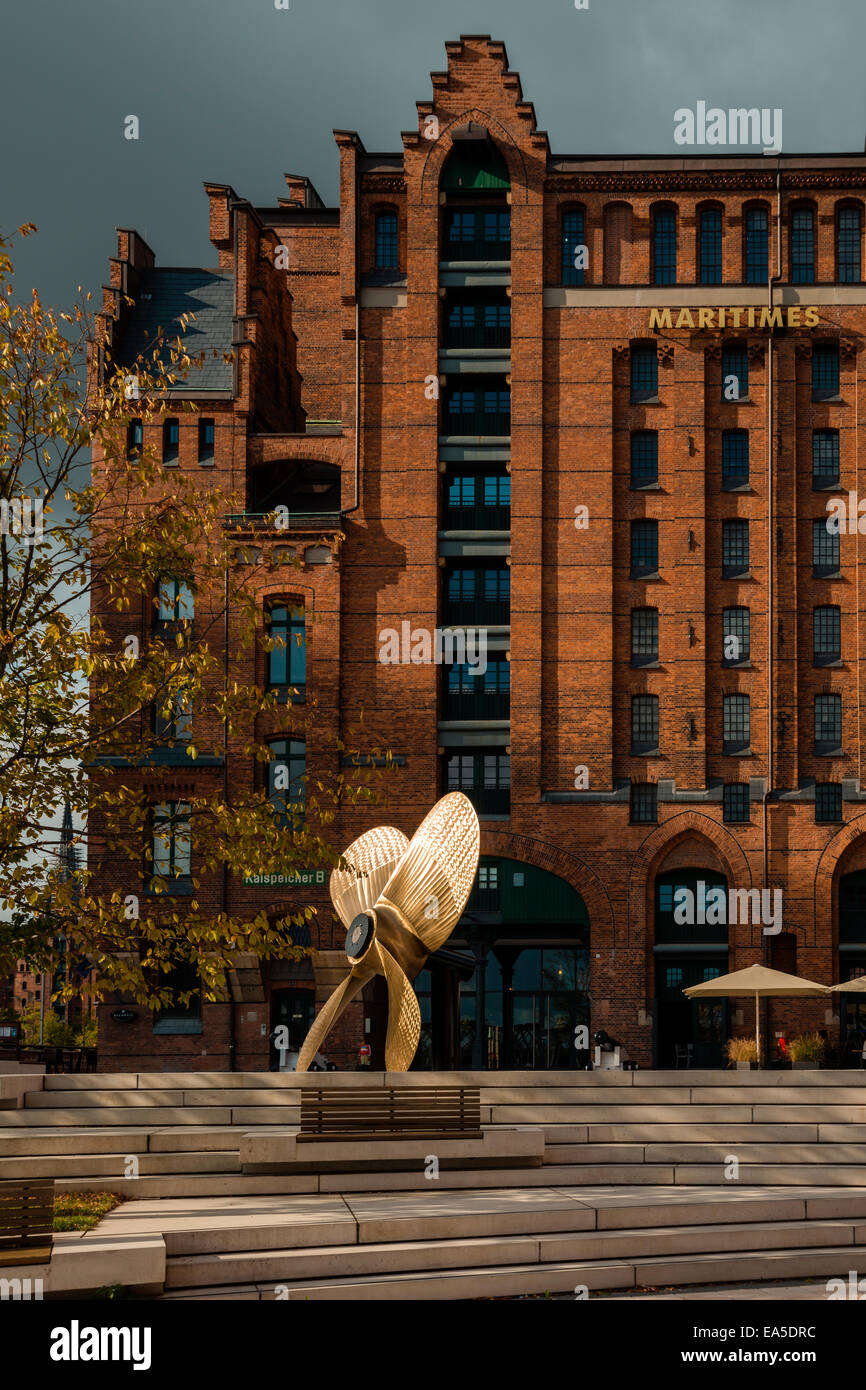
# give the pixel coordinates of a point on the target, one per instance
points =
(638, 1189)
(179, 1134)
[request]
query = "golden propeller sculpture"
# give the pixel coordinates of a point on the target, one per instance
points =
(399, 900)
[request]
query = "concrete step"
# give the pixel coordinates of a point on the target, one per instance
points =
(775, 1174)
(258, 1266)
(681, 1152)
(516, 1280)
(110, 1100)
(115, 1166)
(816, 1113)
(118, 1116)
(693, 1133)
(40, 1143)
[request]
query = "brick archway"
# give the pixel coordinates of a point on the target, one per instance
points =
(569, 867)
(660, 842)
(827, 875)
(441, 149)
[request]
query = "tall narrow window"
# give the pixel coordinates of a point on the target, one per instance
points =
(826, 634)
(802, 246)
(848, 240)
(170, 441)
(173, 718)
(644, 636)
(644, 373)
(644, 803)
(735, 803)
(710, 247)
(825, 458)
(828, 802)
(825, 371)
(644, 458)
(644, 549)
(735, 373)
(828, 724)
(825, 550)
(736, 724)
(735, 549)
(644, 724)
(735, 458)
(572, 241)
(175, 602)
(205, 442)
(172, 844)
(736, 636)
(287, 661)
(757, 264)
(386, 241)
(134, 439)
(664, 247)
(287, 786)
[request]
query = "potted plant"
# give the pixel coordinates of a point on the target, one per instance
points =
(806, 1051)
(742, 1054)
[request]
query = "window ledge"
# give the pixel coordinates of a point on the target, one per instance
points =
(174, 888)
(835, 662)
(736, 665)
(640, 578)
(178, 1026)
(638, 665)
(645, 487)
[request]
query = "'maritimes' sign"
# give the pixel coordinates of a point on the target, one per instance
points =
(736, 316)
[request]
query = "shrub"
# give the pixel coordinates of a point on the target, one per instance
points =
(742, 1050)
(807, 1047)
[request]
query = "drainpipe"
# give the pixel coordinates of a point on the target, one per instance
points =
(357, 502)
(771, 280)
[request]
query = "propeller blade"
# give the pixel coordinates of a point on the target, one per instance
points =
(370, 861)
(434, 878)
(404, 1015)
(330, 1012)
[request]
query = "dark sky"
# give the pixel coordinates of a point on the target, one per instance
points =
(239, 92)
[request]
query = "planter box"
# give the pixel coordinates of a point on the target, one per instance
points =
(746, 1066)
(805, 1066)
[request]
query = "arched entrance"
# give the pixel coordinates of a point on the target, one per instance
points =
(513, 985)
(690, 946)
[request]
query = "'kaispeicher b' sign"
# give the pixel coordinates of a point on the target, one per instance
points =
(302, 878)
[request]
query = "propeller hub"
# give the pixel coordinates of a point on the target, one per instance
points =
(359, 935)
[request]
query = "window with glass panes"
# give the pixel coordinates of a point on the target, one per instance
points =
(172, 718)
(464, 679)
(644, 373)
(757, 267)
(828, 723)
(735, 548)
(710, 246)
(170, 441)
(848, 239)
(827, 633)
(643, 803)
(825, 458)
(736, 635)
(572, 237)
(735, 458)
(287, 662)
(497, 402)
(802, 246)
(735, 373)
(665, 247)
(206, 439)
(386, 241)
(134, 438)
(736, 723)
(644, 636)
(825, 371)
(828, 802)
(175, 601)
(644, 458)
(172, 843)
(644, 723)
(825, 550)
(644, 548)
(735, 802)
(287, 787)
(496, 224)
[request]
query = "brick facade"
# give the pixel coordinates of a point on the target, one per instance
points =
(302, 333)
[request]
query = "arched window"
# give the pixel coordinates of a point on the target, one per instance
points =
(710, 246)
(387, 241)
(802, 246)
(756, 225)
(849, 228)
(572, 243)
(664, 246)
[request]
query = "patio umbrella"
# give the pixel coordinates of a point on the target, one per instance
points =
(755, 980)
(857, 986)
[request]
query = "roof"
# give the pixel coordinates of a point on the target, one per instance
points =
(164, 295)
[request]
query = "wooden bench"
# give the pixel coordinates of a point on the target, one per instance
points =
(386, 1112)
(26, 1221)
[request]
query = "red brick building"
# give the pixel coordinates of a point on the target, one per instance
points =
(594, 407)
